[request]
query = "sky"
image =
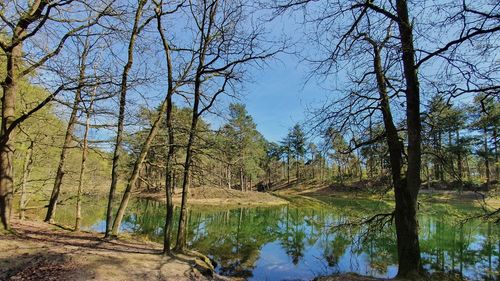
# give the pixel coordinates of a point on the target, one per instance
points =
(278, 97)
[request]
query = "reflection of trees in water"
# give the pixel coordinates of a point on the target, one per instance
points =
(461, 248)
(293, 235)
(234, 238)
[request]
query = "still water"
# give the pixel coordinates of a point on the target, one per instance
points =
(312, 237)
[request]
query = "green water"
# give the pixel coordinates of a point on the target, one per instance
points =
(312, 237)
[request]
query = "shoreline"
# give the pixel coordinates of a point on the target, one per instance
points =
(36, 250)
(479, 199)
(220, 197)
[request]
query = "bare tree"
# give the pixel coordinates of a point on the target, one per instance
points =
(224, 43)
(68, 139)
(136, 29)
(20, 26)
(85, 148)
(347, 25)
(166, 105)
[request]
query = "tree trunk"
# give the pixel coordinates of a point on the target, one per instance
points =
(134, 176)
(83, 167)
(54, 197)
(242, 180)
(459, 158)
(181, 231)
(13, 56)
(404, 191)
(495, 148)
(121, 117)
(288, 167)
(486, 158)
(229, 176)
(297, 168)
(27, 168)
(406, 197)
(171, 148)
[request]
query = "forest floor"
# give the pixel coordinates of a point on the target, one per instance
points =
(40, 251)
(480, 198)
(221, 197)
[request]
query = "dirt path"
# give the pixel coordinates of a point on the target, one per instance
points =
(39, 251)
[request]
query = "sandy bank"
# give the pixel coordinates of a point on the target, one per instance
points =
(40, 251)
(213, 196)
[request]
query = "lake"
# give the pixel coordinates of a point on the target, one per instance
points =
(316, 236)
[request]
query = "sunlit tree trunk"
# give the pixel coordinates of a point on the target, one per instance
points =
(83, 167)
(486, 158)
(68, 139)
(13, 56)
(121, 117)
(167, 239)
(27, 168)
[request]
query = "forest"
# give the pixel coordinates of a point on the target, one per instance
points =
(266, 140)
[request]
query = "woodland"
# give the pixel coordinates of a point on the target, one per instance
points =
(125, 122)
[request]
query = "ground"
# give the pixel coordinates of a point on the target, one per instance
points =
(40, 251)
(221, 197)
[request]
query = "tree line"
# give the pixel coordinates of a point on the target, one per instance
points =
(101, 64)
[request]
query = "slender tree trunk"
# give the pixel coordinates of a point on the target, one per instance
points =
(495, 148)
(459, 158)
(181, 231)
(297, 168)
(61, 169)
(242, 181)
(83, 167)
(203, 47)
(288, 167)
(229, 176)
(486, 158)
(121, 117)
(134, 176)
(171, 148)
(27, 168)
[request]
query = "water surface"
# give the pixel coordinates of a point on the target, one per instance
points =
(312, 237)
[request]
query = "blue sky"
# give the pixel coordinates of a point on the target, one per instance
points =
(278, 97)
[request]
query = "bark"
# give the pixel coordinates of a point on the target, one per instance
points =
(242, 181)
(121, 116)
(406, 197)
(229, 176)
(61, 169)
(181, 231)
(204, 41)
(495, 148)
(459, 158)
(288, 166)
(171, 142)
(486, 158)
(27, 168)
(13, 57)
(134, 176)
(83, 167)
(404, 190)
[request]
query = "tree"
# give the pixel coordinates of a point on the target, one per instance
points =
(245, 142)
(23, 24)
(297, 142)
(136, 29)
(68, 139)
(223, 45)
(343, 29)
